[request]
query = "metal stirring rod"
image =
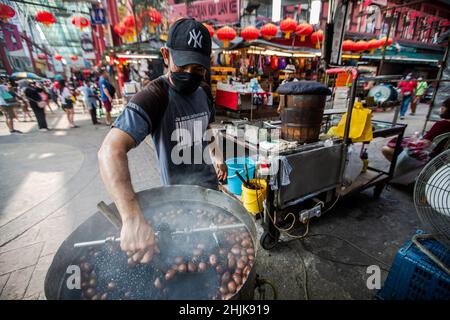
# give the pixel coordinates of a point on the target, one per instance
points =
(212, 228)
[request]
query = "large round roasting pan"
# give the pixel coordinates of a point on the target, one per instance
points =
(98, 227)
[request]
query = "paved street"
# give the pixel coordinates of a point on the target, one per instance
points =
(50, 184)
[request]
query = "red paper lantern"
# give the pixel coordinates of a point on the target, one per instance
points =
(250, 33)
(303, 30)
(41, 56)
(269, 31)
(45, 17)
(6, 12)
(361, 46)
(119, 29)
(130, 22)
(73, 57)
(210, 29)
(155, 17)
(317, 38)
(288, 26)
(348, 45)
(80, 22)
(58, 57)
(226, 34)
(274, 62)
(373, 44)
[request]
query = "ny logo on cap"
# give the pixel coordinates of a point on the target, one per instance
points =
(196, 38)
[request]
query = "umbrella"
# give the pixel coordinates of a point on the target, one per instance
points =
(59, 77)
(25, 75)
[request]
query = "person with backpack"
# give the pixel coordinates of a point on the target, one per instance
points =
(175, 105)
(107, 92)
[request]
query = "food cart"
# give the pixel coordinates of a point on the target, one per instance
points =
(316, 172)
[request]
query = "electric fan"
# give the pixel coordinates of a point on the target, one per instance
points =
(432, 197)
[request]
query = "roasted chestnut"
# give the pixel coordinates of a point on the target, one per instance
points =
(237, 278)
(226, 278)
(84, 285)
(240, 264)
(250, 251)
(222, 252)
(201, 267)
(170, 274)
(220, 269)
(182, 268)
(93, 283)
(104, 296)
(235, 250)
(231, 263)
(231, 286)
(245, 243)
(89, 293)
(191, 267)
(223, 290)
(111, 286)
(213, 260)
(158, 284)
(86, 267)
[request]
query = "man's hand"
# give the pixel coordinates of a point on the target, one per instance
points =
(221, 171)
(137, 239)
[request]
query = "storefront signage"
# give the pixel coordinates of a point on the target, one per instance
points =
(98, 16)
(11, 36)
(219, 11)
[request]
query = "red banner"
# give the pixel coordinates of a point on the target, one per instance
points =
(220, 12)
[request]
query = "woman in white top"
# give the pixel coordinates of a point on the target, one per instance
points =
(67, 103)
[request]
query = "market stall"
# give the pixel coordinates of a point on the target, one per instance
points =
(306, 169)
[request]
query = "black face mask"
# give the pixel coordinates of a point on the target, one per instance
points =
(185, 82)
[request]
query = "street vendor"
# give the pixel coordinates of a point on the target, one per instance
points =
(176, 110)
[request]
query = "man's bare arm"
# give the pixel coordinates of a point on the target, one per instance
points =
(137, 237)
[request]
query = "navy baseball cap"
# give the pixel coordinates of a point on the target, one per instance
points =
(189, 42)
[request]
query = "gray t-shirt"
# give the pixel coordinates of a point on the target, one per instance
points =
(178, 125)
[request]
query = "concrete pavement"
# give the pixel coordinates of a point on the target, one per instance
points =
(50, 184)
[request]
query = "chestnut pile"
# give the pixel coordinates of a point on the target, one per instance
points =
(196, 266)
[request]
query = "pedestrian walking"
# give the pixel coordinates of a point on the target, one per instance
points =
(7, 105)
(407, 87)
(106, 95)
(67, 103)
(90, 101)
(34, 98)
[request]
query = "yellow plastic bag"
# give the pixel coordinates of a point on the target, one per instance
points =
(360, 125)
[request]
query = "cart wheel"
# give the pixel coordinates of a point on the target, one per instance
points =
(378, 190)
(267, 241)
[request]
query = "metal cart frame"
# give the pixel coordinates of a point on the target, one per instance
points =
(322, 168)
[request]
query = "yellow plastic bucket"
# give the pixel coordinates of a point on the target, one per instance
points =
(253, 199)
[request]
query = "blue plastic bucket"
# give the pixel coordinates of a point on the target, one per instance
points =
(237, 164)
